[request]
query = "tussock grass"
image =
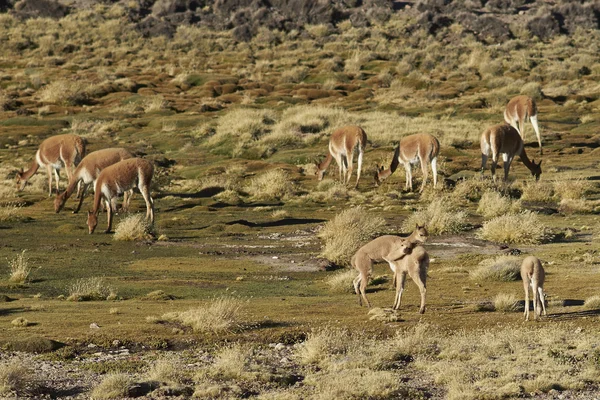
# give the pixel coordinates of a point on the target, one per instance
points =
(294, 75)
(341, 282)
(229, 197)
(10, 212)
(472, 189)
(96, 128)
(346, 232)
(133, 227)
(501, 269)
(571, 188)
(20, 322)
(541, 191)
(592, 303)
(154, 103)
(359, 383)
(14, 377)
(524, 228)
(329, 190)
(493, 204)
(274, 184)
(7, 190)
(113, 386)
(88, 289)
(440, 216)
(505, 302)
(221, 314)
(65, 92)
(577, 206)
(166, 371)
(19, 269)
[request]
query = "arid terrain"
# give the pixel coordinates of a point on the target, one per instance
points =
(242, 288)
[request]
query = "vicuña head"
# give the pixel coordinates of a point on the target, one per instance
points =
(378, 174)
(59, 201)
(420, 234)
(92, 221)
(536, 171)
(319, 172)
(21, 181)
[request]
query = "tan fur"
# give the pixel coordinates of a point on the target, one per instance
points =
(342, 144)
(421, 147)
(533, 276)
(415, 265)
(520, 109)
(119, 178)
(388, 248)
(504, 139)
(54, 153)
(88, 170)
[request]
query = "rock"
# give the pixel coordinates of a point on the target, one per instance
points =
(94, 325)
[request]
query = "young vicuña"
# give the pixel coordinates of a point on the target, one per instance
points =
(54, 153)
(391, 249)
(504, 139)
(342, 144)
(421, 147)
(533, 276)
(87, 172)
(117, 179)
(518, 110)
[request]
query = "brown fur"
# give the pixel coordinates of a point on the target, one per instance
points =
(504, 139)
(88, 170)
(415, 265)
(520, 109)
(533, 276)
(119, 178)
(342, 143)
(421, 147)
(386, 248)
(55, 152)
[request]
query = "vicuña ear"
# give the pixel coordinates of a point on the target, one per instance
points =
(540, 164)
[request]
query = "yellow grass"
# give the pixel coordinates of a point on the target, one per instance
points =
(525, 228)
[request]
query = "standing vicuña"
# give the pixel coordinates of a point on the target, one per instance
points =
(504, 139)
(54, 153)
(415, 265)
(341, 147)
(117, 179)
(387, 248)
(421, 147)
(88, 170)
(533, 276)
(518, 110)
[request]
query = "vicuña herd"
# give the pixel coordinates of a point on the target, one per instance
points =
(115, 171)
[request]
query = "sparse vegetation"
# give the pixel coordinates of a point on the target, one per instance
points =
(90, 289)
(14, 377)
(341, 281)
(440, 216)
(349, 230)
(502, 269)
(113, 386)
(133, 227)
(19, 269)
(524, 227)
(221, 314)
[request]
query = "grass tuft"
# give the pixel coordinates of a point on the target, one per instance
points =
(20, 322)
(133, 227)
(592, 303)
(493, 204)
(113, 386)
(341, 282)
(220, 315)
(19, 269)
(505, 302)
(346, 232)
(10, 212)
(440, 216)
(89, 289)
(14, 377)
(271, 185)
(500, 269)
(525, 228)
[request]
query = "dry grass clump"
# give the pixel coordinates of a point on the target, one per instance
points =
(329, 190)
(154, 103)
(577, 206)
(20, 322)
(10, 212)
(501, 269)
(65, 92)
(346, 232)
(491, 364)
(229, 197)
(541, 191)
(166, 371)
(571, 188)
(221, 314)
(14, 378)
(96, 128)
(592, 303)
(358, 383)
(294, 75)
(133, 227)
(89, 289)
(505, 302)
(440, 216)
(19, 269)
(472, 189)
(7, 190)
(341, 282)
(493, 204)
(524, 228)
(113, 386)
(274, 184)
